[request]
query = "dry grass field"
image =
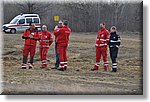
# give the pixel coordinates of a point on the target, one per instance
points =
(78, 79)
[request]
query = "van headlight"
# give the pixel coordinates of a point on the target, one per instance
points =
(5, 28)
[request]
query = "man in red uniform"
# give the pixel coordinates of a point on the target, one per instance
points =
(62, 39)
(31, 36)
(60, 25)
(46, 40)
(101, 47)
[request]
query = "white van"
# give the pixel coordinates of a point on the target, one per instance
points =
(21, 23)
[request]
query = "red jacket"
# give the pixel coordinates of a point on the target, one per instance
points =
(62, 35)
(56, 29)
(46, 39)
(102, 38)
(28, 40)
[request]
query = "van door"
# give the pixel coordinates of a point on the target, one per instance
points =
(28, 21)
(37, 23)
(20, 25)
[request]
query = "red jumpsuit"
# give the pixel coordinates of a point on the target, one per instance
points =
(101, 48)
(29, 44)
(62, 39)
(46, 40)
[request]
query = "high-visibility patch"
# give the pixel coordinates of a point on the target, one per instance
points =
(114, 41)
(65, 62)
(114, 64)
(62, 62)
(106, 64)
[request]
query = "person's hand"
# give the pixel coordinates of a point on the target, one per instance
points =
(31, 36)
(56, 27)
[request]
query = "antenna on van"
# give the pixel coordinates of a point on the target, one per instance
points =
(21, 14)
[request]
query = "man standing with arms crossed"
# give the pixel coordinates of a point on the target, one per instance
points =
(114, 44)
(62, 39)
(31, 36)
(101, 47)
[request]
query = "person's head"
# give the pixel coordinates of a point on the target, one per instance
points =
(60, 23)
(32, 26)
(113, 29)
(102, 25)
(65, 22)
(44, 28)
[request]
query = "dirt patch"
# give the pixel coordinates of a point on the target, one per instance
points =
(78, 79)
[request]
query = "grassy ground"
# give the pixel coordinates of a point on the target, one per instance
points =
(78, 79)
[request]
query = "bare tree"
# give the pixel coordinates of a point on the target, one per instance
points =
(83, 16)
(29, 6)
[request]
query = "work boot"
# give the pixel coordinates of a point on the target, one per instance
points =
(55, 67)
(61, 69)
(65, 67)
(24, 66)
(106, 68)
(96, 67)
(30, 66)
(114, 69)
(44, 66)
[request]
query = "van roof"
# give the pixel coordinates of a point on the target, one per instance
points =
(27, 15)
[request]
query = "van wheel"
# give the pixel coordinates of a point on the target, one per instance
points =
(13, 31)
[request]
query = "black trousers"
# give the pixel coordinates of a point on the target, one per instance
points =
(113, 53)
(25, 60)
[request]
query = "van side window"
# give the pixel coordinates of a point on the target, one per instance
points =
(28, 20)
(21, 21)
(36, 20)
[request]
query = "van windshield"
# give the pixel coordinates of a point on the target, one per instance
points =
(13, 21)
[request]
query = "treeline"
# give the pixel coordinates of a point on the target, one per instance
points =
(82, 16)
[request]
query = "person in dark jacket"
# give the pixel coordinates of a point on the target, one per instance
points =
(114, 44)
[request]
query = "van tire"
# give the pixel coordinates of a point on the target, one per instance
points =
(13, 31)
